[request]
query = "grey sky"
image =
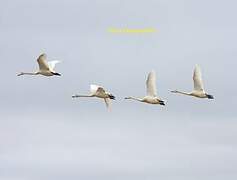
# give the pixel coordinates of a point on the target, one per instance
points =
(44, 134)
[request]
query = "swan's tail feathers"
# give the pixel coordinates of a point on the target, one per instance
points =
(111, 96)
(210, 96)
(162, 103)
(56, 74)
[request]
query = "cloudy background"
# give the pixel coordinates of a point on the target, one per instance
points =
(44, 134)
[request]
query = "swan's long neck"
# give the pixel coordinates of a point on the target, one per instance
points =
(26, 73)
(77, 96)
(133, 98)
(180, 92)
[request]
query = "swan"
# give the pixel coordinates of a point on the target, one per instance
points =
(45, 68)
(151, 97)
(99, 92)
(198, 90)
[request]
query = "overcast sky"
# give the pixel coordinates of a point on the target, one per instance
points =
(44, 134)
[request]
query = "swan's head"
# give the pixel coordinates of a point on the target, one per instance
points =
(128, 98)
(175, 91)
(19, 74)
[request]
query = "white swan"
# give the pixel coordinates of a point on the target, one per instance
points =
(45, 68)
(151, 96)
(198, 90)
(100, 92)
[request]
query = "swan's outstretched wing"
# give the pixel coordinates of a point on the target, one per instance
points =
(52, 64)
(197, 79)
(107, 103)
(151, 84)
(100, 90)
(95, 89)
(43, 65)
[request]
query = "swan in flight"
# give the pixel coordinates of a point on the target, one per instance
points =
(45, 68)
(151, 97)
(99, 92)
(198, 90)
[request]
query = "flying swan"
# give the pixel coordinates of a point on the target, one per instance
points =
(151, 97)
(198, 90)
(45, 68)
(99, 92)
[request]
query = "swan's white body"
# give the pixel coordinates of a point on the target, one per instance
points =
(151, 97)
(45, 68)
(198, 90)
(99, 92)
